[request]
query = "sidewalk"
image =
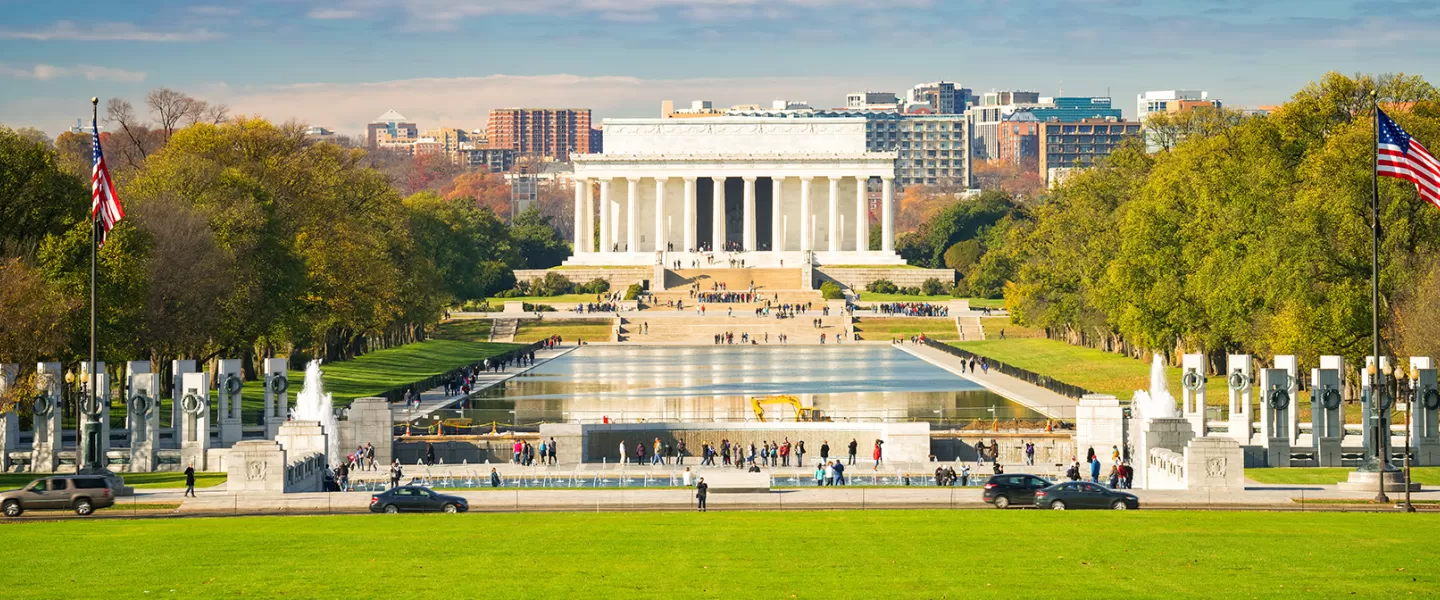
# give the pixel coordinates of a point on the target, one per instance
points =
(1036, 398)
(436, 399)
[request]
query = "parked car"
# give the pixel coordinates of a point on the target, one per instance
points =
(415, 498)
(1017, 489)
(1083, 494)
(80, 493)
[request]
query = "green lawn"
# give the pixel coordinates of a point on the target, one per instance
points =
(562, 302)
(1096, 370)
(994, 326)
(568, 329)
(884, 328)
(819, 554)
(159, 480)
(1328, 475)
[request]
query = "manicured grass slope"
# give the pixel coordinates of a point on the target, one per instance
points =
(569, 330)
(1095, 370)
(1329, 475)
(841, 554)
(136, 480)
(884, 328)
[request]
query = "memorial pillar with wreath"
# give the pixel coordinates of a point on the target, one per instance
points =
(277, 395)
(1425, 422)
(228, 384)
(1376, 430)
(97, 405)
(178, 369)
(46, 406)
(1239, 379)
(1327, 417)
(1275, 403)
(142, 418)
(9, 422)
(194, 433)
(1192, 392)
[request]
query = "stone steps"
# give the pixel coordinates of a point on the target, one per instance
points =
(735, 279)
(702, 330)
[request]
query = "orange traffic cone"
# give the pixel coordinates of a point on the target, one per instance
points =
(996, 426)
(1049, 426)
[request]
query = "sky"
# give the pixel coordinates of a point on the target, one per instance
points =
(446, 63)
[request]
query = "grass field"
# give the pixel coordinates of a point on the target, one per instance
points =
(1328, 475)
(879, 329)
(820, 554)
(159, 480)
(946, 298)
(994, 326)
(569, 330)
(561, 302)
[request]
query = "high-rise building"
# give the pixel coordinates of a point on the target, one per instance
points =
(869, 100)
(553, 133)
(494, 160)
(1018, 138)
(934, 149)
(946, 98)
(1081, 142)
(449, 138)
(1009, 97)
(1170, 101)
(985, 120)
(393, 124)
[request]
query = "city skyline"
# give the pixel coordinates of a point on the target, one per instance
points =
(340, 63)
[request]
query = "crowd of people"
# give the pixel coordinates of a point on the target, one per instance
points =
(1120, 476)
(913, 309)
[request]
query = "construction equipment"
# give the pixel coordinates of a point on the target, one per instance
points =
(802, 413)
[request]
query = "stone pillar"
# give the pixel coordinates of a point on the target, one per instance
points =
(1425, 421)
(887, 214)
(47, 408)
(862, 214)
(102, 397)
(605, 234)
(581, 186)
(371, 421)
(303, 438)
(1327, 424)
(660, 238)
(777, 226)
(1291, 365)
(748, 228)
(689, 226)
(277, 394)
(9, 423)
(1192, 392)
(717, 228)
(589, 241)
(142, 418)
(1240, 380)
(135, 367)
(228, 383)
(194, 432)
(178, 369)
(257, 466)
(833, 230)
(1275, 403)
(632, 216)
(805, 213)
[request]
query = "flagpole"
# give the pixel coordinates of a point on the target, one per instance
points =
(92, 428)
(1382, 433)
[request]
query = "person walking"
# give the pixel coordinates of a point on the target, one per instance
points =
(623, 457)
(701, 490)
(1095, 470)
(825, 451)
(819, 474)
(189, 481)
(840, 472)
(829, 473)
(680, 453)
(429, 454)
(800, 453)
(395, 474)
(552, 451)
(877, 454)
(853, 447)
(494, 478)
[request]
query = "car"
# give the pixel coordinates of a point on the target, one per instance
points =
(1018, 489)
(416, 498)
(83, 494)
(1083, 494)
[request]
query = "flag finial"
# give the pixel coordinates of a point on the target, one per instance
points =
(94, 101)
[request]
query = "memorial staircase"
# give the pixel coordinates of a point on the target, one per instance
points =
(667, 325)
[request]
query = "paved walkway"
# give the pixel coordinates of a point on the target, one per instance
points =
(436, 399)
(1034, 397)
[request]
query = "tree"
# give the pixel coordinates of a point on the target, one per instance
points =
(539, 245)
(40, 198)
(1021, 179)
(485, 189)
(471, 249)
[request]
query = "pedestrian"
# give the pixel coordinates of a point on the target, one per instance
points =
(964, 475)
(370, 455)
(189, 481)
(1114, 476)
(701, 489)
(552, 452)
(680, 453)
(494, 478)
(819, 474)
(840, 472)
(429, 454)
(853, 447)
(1030, 453)
(1095, 471)
(395, 474)
(829, 473)
(800, 453)
(623, 457)
(877, 454)
(688, 477)
(825, 450)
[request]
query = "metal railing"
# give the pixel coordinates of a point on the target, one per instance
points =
(1030, 377)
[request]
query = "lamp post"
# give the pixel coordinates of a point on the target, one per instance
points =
(1382, 433)
(1411, 402)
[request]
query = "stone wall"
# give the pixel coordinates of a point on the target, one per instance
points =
(903, 441)
(369, 420)
(472, 450)
(1053, 451)
(860, 278)
(619, 277)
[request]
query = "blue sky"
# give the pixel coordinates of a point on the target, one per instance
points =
(338, 63)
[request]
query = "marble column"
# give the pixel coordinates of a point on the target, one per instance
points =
(632, 220)
(805, 213)
(689, 225)
(717, 228)
(748, 228)
(834, 227)
(588, 242)
(660, 214)
(862, 214)
(777, 232)
(580, 186)
(887, 217)
(604, 214)
(614, 213)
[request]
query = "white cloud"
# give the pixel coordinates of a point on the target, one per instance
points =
(210, 10)
(328, 14)
(44, 72)
(106, 32)
(444, 12)
(467, 101)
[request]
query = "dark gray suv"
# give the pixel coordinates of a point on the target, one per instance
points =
(80, 493)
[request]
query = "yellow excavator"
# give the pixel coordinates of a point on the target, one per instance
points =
(802, 413)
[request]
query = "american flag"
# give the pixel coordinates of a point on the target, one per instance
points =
(1401, 157)
(104, 204)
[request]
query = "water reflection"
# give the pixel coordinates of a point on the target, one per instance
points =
(705, 383)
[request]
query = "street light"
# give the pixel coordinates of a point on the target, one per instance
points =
(1382, 433)
(1412, 397)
